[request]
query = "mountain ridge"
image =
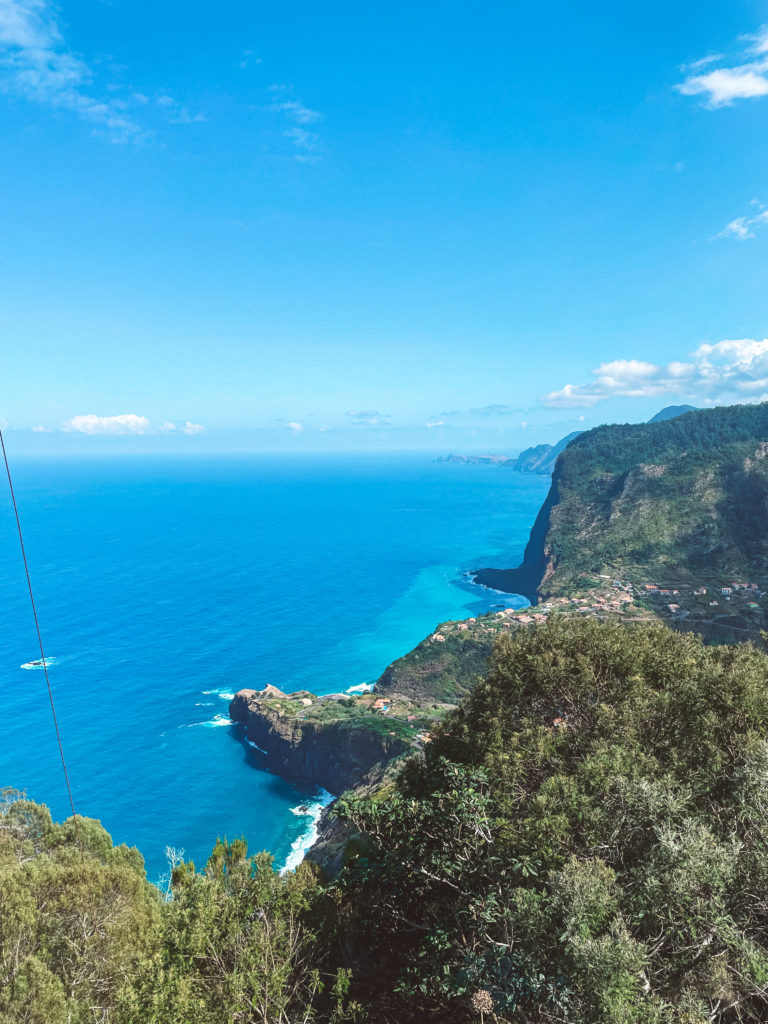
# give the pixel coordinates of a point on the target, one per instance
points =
(685, 497)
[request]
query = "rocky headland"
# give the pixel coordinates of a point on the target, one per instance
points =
(333, 740)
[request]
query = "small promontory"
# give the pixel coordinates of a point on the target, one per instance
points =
(333, 740)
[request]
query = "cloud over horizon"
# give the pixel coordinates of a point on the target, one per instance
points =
(124, 423)
(735, 370)
(369, 418)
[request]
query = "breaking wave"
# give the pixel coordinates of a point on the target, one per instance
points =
(312, 811)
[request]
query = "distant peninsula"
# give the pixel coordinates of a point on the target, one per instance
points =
(539, 459)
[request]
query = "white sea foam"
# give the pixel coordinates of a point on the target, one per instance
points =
(218, 720)
(361, 688)
(255, 746)
(302, 810)
(221, 691)
(37, 664)
(225, 695)
(299, 847)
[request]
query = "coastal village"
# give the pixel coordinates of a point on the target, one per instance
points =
(394, 716)
(725, 609)
(732, 605)
(736, 604)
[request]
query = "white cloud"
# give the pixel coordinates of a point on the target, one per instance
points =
(176, 113)
(40, 430)
(745, 78)
(193, 428)
(733, 370)
(167, 427)
(296, 111)
(295, 427)
(369, 418)
(305, 142)
(723, 86)
(702, 62)
(302, 139)
(435, 423)
(738, 228)
(743, 228)
(37, 64)
(183, 116)
(759, 41)
(126, 423)
(494, 410)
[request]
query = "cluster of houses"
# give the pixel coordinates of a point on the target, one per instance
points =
(725, 591)
(653, 590)
(616, 600)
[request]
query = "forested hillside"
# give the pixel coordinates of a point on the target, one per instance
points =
(683, 500)
(584, 840)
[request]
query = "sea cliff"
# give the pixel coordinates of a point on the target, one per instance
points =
(331, 741)
(678, 503)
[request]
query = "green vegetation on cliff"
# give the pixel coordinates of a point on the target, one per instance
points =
(683, 500)
(445, 666)
(686, 496)
(585, 840)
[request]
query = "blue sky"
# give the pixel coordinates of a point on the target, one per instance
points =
(303, 226)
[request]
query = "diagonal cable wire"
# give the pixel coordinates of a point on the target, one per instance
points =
(42, 653)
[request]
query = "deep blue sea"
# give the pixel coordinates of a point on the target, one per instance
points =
(163, 585)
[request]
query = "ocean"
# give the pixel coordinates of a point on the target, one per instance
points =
(164, 585)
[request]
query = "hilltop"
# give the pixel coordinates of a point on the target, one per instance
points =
(670, 412)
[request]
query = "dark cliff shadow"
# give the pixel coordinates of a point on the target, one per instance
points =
(526, 579)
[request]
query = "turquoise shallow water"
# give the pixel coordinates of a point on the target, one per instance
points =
(164, 585)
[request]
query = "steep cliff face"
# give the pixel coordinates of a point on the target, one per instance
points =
(683, 499)
(537, 559)
(334, 754)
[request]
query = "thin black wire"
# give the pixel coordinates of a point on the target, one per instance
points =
(42, 654)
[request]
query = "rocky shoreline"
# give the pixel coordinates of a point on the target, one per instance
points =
(336, 754)
(336, 741)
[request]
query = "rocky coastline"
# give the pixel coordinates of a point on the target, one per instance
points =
(336, 754)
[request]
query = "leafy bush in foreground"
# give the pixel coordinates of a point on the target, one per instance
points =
(586, 840)
(88, 939)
